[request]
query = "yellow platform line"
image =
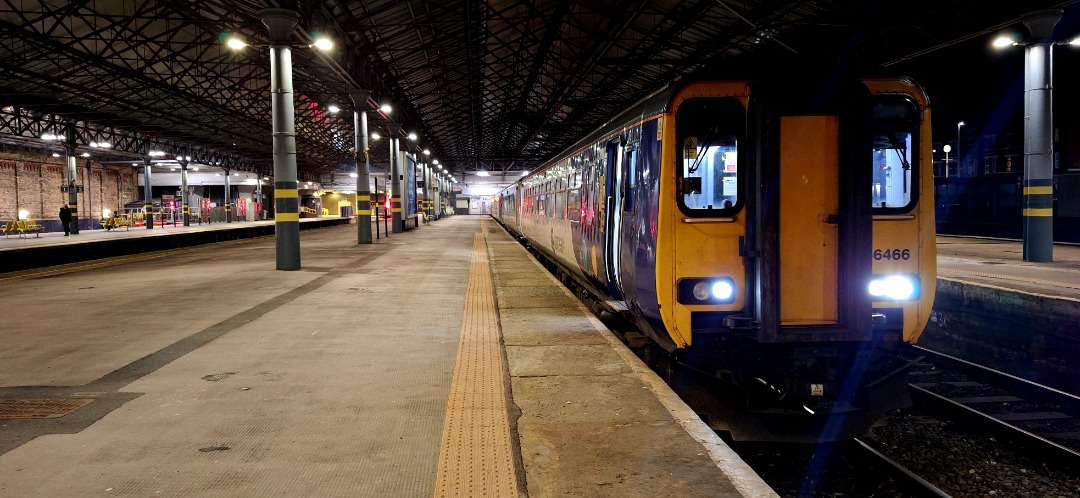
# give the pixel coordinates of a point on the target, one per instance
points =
(1036, 281)
(475, 455)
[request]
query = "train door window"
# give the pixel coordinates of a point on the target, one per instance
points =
(630, 178)
(541, 205)
(895, 133)
(573, 204)
(709, 130)
(560, 204)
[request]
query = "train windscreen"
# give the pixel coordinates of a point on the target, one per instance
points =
(895, 135)
(709, 130)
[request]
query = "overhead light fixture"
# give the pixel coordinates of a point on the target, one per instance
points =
(85, 154)
(385, 108)
(435, 161)
(323, 43)
(1006, 40)
(101, 145)
(333, 108)
(194, 168)
(427, 152)
(412, 136)
(57, 154)
(353, 174)
(156, 153)
(375, 135)
(235, 43)
(50, 136)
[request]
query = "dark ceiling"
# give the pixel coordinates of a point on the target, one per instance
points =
(496, 84)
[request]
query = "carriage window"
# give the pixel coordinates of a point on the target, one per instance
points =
(560, 204)
(896, 123)
(709, 131)
(573, 205)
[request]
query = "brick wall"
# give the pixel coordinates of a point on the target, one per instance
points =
(32, 182)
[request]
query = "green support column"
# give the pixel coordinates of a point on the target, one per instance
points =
(1038, 140)
(280, 23)
(72, 182)
(363, 165)
(148, 195)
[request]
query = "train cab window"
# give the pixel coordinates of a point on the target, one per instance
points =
(895, 135)
(709, 130)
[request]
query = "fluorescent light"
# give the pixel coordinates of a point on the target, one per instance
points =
(482, 173)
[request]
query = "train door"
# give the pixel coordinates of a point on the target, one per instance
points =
(615, 199)
(811, 224)
(809, 178)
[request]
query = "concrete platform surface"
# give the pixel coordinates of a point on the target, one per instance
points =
(205, 372)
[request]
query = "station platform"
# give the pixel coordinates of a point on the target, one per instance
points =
(996, 309)
(443, 361)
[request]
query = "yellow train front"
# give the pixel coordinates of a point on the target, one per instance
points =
(774, 239)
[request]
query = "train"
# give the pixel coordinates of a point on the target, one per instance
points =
(771, 241)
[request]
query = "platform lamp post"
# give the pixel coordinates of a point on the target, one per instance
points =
(959, 161)
(363, 165)
(947, 148)
(1038, 131)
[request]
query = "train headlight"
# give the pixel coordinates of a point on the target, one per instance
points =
(719, 290)
(894, 287)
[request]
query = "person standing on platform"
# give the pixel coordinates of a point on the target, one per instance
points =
(65, 219)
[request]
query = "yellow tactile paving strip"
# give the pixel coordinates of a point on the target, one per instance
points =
(1036, 281)
(475, 455)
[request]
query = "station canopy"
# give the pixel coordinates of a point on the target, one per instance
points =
(495, 85)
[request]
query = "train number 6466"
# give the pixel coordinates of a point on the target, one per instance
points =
(892, 254)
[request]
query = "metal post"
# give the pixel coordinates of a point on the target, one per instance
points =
(280, 23)
(184, 198)
(148, 195)
(1038, 141)
(72, 188)
(959, 161)
(393, 183)
(258, 197)
(375, 195)
(363, 184)
(228, 200)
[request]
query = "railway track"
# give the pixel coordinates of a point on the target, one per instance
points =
(1043, 421)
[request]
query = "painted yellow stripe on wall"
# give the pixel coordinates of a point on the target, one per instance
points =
(287, 217)
(286, 193)
(1039, 212)
(1038, 190)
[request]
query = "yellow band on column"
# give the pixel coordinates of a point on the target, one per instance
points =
(1037, 212)
(287, 217)
(1038, 190)
(286, 193)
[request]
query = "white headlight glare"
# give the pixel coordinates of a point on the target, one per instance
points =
(722, 290)
(701, 291)
(877, 287)
(896, 287)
